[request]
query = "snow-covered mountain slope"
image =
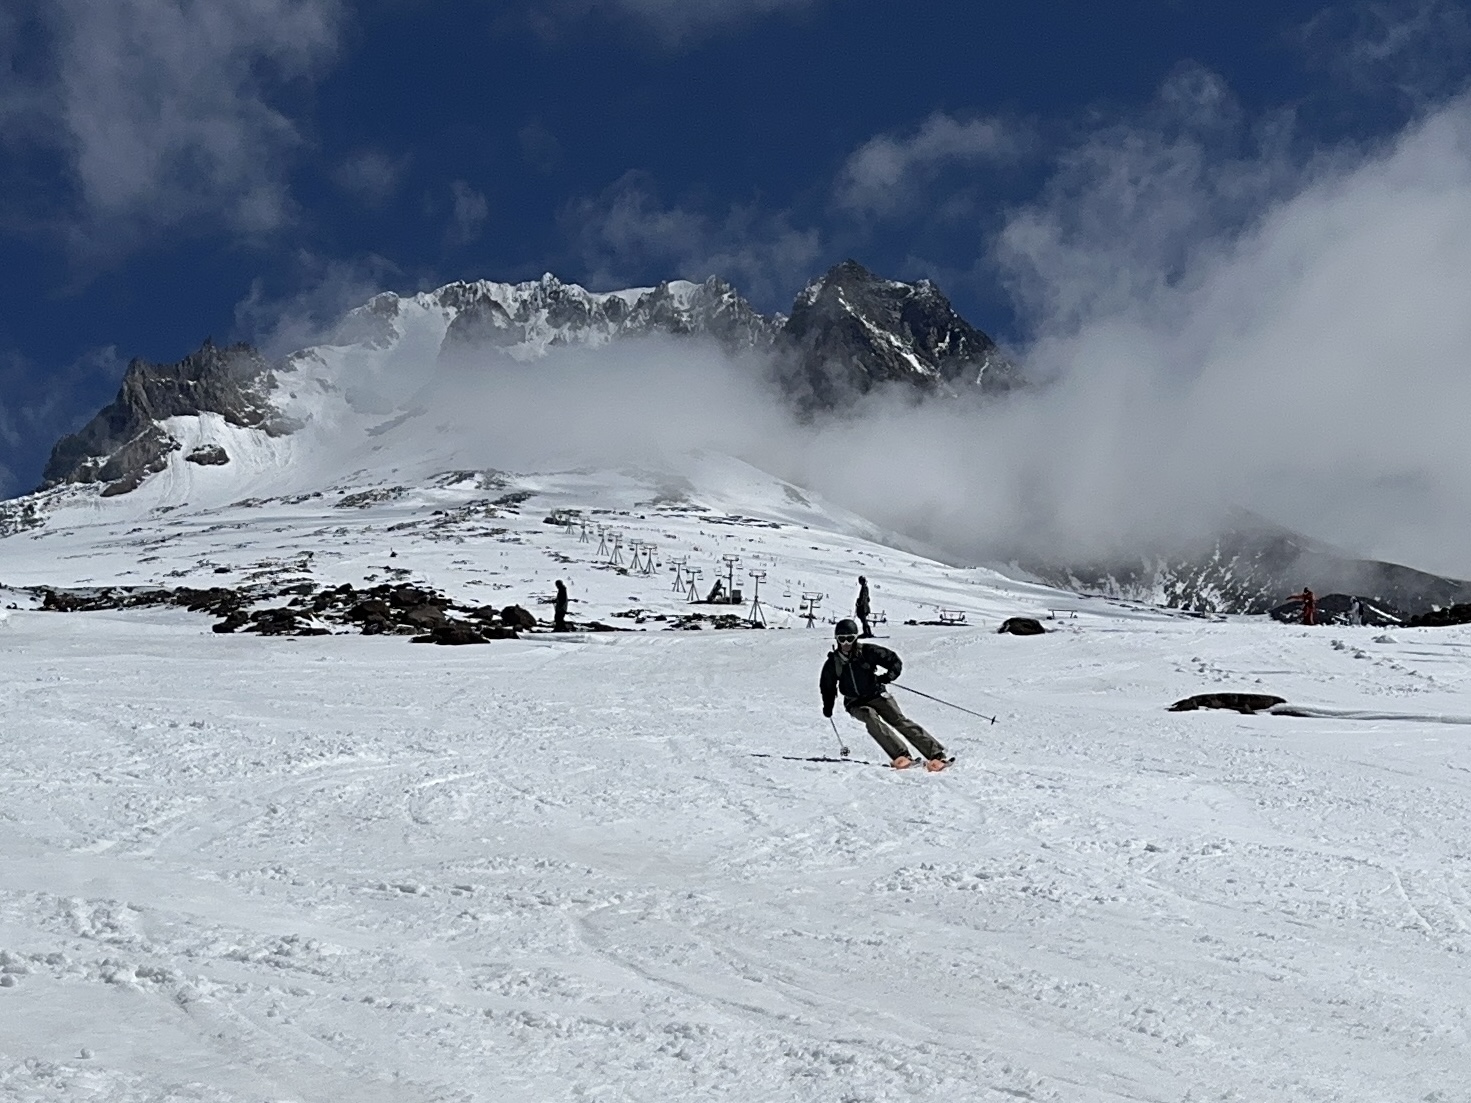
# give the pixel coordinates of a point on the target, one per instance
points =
(1250, 566)
(851, 332)
(490, 537)
(605, 866)
(542, 375)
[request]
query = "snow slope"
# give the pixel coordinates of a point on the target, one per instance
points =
(602, 866)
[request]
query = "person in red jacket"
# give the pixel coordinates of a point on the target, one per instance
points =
(1309, 606)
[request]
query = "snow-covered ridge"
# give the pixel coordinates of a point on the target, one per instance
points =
(525, 320)
(859, 333)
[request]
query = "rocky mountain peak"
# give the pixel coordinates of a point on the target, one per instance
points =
(125, 443)
(853, 331)
(524, 320)
(849, 332)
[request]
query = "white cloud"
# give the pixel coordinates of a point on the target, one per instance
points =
(1285, 335)
(628, 231)
(170, 111)
(279, 324)
(887, 171)
(1130, 202)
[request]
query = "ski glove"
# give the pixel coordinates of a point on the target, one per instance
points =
(828, 712)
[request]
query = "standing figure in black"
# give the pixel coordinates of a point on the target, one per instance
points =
(861, 607)
(852, 669)
(559, 608)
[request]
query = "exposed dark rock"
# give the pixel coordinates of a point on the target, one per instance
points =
(232, 622)
(422, 616)
(123, 444)
(103, 597)
(384, 610)
(1236, 702)
(373, 608)
(218, 601)
(696, 621)
(19, 516)
(365, 499)
(283, 622)
(452, 633)
(1338, 609)
(211, 455)
(1442, 618)
(482, 324)
(514, 616)
(851, 332)
(1021, 626)
(714, 309)
(406, 597)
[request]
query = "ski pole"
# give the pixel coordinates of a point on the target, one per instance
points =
(896, 685)
(841, 745)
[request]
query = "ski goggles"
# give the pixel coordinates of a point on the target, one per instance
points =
(847, 639)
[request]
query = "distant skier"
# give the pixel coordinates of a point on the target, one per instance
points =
(852, 669)
(559, 608)
(1309, 606)
(861, 607)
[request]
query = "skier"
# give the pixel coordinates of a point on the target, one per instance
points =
(861, 606)
(1309, 606)
(852, 669)
(559, 608)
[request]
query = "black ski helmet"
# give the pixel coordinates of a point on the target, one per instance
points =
(845, 627)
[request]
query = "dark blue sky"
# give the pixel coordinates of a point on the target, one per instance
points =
(171, 169)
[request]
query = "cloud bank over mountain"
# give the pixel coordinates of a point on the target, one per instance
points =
(1287, 336)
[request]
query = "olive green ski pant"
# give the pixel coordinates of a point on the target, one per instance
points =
(882, 717)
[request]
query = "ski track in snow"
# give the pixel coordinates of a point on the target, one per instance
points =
(241, 868)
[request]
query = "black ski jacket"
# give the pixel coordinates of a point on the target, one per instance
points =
(856, 677)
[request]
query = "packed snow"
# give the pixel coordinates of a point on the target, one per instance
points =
(636, 866)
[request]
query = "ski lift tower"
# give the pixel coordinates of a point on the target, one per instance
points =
(602, 542)
(677, 567)
(694, 576)
(810, 602)
(756, 616)
(730, 562)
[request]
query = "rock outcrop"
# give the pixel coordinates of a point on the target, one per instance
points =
(125, 442)
(1235, 702)
(851, 332)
